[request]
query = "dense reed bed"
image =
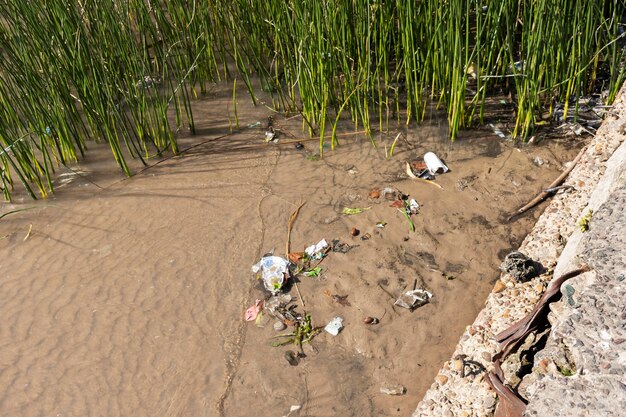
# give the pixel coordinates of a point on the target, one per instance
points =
(125, 71)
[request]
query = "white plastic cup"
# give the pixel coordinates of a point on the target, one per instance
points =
(434, 164)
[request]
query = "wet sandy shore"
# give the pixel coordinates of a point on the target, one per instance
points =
(127, 296)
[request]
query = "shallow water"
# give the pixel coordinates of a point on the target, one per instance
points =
(127, 298)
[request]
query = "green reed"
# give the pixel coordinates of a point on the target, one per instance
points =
(125, 72)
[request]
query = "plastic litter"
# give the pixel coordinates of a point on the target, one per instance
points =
(393, 390)
(334, 326)
(413, 206)
(293, 408)
(271, 135)
(413, 299)
(318, 250)
(253, 311)
(274, 271)
(389, 193)
(434, 164)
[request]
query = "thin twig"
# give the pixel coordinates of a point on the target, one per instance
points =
(543, 195)
(292, 220)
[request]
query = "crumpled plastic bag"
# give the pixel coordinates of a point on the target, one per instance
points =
(274, 271)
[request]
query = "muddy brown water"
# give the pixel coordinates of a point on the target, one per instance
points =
(127, 297)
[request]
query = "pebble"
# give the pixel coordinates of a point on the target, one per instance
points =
(458, 365)
(375, 193)
(279, 326)
(354, 231)
(442, 379)
(499, 286)
(490, 402)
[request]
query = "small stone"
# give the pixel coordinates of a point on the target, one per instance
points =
(458, 365)
(279, 326)
(471, 330)
(441, 379)
(486, 356)
(375, 193)
(498, 287)
(447, 413)
(490, 402)
(539, 288)
(354, 231)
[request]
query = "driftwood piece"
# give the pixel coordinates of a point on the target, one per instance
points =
(543, 195)
(510, 404)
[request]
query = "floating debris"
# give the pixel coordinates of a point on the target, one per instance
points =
(274, 271)
(334, 326)
(253, 311)
(413, 299)
(318, 250)
(395, 389)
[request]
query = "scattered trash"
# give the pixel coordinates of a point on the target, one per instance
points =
(318, 250)
(539, 161)
(498, 132)
(350, 211)
(274, 271)
(352, 171)
(279, 326)
(274, 303)
(390, 193)
(519, 266)
(292, 358)
(434, 164)
(366, 236)
(315, 272)
(371, 320)
(334, 326)
(413, 299)
(296, 257)
(338, 246)
(381, 225)
(292, 409)
(393, 390)
(375, 193)
(253, 125)
(253, 311)
(271, 135)
(413, 206)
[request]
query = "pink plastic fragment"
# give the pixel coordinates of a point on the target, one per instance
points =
(253, 311)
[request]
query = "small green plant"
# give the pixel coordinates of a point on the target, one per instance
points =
(583, 223)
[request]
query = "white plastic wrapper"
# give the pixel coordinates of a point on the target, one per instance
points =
(414, 299)
(274, 271)
(316, 251)
(334, 326)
